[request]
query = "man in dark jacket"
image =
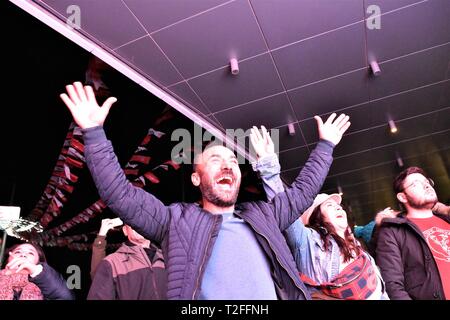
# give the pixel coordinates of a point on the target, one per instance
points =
(221, 250)
(413, 249)
(134, 272)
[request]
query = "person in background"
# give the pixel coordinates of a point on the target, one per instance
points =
(413, 249)
(136, 271)
(331, 261)
(99, 244)
(27, 276)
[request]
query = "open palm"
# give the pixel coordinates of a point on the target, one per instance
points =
(333, 130)
(84, 107)
(261, 142)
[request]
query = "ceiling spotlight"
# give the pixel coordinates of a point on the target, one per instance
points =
(399, 160)
(375, 68)
(392, 126)
(340, 191)
(291, 128)
(234, 66)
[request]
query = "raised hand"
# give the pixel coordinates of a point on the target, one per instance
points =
(261, 142)
(108, 224)
(385, 213)
(84, 108)
(333, 130)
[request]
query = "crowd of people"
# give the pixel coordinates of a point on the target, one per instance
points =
(297, 245)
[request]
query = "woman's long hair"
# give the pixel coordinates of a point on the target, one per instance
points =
(348, 246)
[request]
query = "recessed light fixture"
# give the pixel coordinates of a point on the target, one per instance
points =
(392, 126)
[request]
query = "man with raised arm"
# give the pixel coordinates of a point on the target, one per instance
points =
(220, 250)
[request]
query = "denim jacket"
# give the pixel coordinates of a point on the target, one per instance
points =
(305, 243)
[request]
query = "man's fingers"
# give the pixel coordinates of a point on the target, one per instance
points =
(108, 103)
(257, 133)
(342, 123)
(345, 127)
(80, 90)
(73, 94)
(65, 98)
(319, 121)
(339, 120)
(90, 94)
(330, 118)
(267, 138)
(253, 141)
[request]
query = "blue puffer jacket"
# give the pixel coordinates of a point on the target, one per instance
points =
(187, 233)
(52, 284)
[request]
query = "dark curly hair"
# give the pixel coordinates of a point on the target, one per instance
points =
(348, 245)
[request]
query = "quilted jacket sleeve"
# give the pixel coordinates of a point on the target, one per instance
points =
(136, 207)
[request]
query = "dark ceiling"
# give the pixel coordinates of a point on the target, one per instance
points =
(297, 58)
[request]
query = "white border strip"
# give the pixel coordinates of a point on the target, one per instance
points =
(90, 46)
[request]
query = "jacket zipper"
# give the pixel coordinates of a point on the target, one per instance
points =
(276, 256)
(203, 261)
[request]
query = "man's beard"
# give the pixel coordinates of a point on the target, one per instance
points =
(426, 203)
(210, 195)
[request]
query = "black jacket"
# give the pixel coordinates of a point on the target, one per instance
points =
(406, 262)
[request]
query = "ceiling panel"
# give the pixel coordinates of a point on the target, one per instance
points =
(156, 14)
(404, 149)
(375, 113)
(145, 55)
(220, 89)
(294, 158)
(340, 51)
(389, 5)
(113, 24)
(288, 141)
(399, 31)
(183, 91)
(271, 112)
(411, 71)
(408, 104)
(343, 91)
(296, 20)
(210, 40)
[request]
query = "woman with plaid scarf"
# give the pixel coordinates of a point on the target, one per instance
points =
(331, 261)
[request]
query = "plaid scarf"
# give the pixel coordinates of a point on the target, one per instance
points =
(16, 286)
(357, 281)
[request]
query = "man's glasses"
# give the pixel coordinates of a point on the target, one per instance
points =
(423, 183)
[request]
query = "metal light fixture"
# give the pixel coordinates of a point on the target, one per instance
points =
(399, 160)
(234, 66)
(291, 128)
(375, 68)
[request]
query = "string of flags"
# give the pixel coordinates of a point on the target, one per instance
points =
(64, 178)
